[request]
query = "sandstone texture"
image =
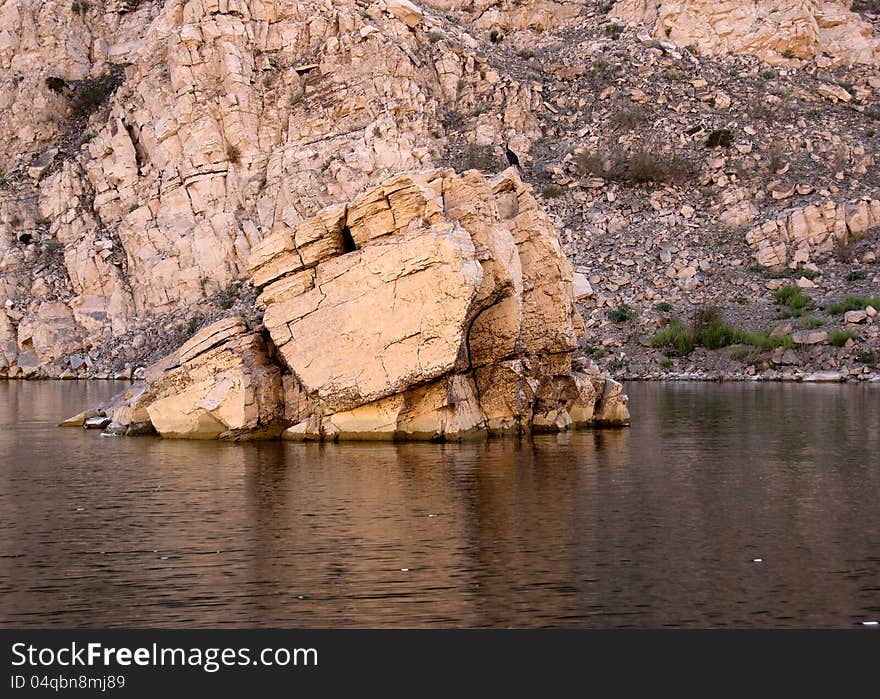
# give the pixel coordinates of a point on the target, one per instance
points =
(152, 149)
(774, 30)
(812, 232)
(435, 306)
(155, 152)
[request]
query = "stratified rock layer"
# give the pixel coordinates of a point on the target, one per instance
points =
(775, 30)
(811, 232)
(149, 148)
(433, 306)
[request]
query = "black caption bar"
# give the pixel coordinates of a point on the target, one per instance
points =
(135, 663)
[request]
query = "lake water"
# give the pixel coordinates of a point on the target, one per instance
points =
(652, 526)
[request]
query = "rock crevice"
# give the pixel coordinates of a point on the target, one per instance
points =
(446, 321)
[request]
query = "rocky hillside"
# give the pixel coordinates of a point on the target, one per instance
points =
(710, 169)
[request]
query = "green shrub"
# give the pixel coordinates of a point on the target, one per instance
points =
(866, 357)
(613, 30)
(709, 330)
(664, 306)
(853, 303)
(791, 296)
(840, 337)
(674, 339)
(716, 336)
(811, 322)
(620, 314)
(763, 340)
(856, 275)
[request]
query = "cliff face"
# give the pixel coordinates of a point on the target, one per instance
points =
(212, 125)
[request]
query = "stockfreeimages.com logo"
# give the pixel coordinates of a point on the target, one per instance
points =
(209, 659)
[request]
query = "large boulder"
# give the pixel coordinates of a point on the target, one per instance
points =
(433, 306)
(221, 383)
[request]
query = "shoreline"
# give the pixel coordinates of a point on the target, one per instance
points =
(672, 377)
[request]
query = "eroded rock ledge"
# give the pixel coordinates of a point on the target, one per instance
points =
(433, 306)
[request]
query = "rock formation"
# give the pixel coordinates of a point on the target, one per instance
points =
(812, 232)
(775, 30)
(433, 306)
(151, 147)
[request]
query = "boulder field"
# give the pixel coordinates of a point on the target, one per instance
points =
(434, 306)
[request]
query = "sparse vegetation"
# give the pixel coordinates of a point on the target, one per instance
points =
(708, 330)
(613, 30)
(602, 73)
(720, 137)
(852, 303)
(871, 7)
(621, 313)
(855, 275)
(776, 161)
(866, 357)
(839, 338)
(628, 117)
(784, 272)
(664, 307)
(89, 94)
(227, 297)
(617, 364)
(551, 191)
(481, 158)
(792, 296)
(233, 154)
(641, 165)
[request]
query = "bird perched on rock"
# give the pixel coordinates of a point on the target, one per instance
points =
(512, 157)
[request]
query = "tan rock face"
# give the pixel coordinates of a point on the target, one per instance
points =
(234, 123)
(813, 231)
(220, 384)
(775, 30)
(433, 306)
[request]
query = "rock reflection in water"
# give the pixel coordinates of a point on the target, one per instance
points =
(654, 525)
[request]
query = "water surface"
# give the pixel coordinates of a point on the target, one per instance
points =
(656, 525)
